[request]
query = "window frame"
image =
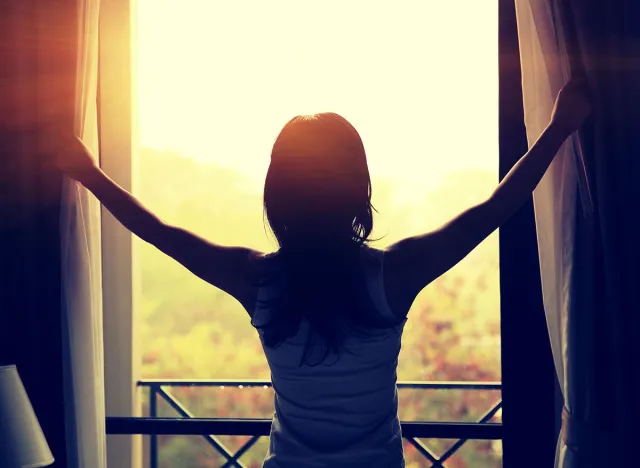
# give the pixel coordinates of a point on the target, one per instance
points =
(529, 384)
(120, 278)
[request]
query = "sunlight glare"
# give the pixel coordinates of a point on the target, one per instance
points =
(418, 79)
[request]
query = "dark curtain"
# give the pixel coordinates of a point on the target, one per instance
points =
(38, 43)
(604, 43)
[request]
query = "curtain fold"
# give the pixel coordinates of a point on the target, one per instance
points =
(589, 258)
(545, 70)
(83, 360)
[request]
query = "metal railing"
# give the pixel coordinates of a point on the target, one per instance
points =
(210, 428)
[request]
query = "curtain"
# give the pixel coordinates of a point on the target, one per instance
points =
(83, 360)
(545, 69)
(584, 209)
(38, 63)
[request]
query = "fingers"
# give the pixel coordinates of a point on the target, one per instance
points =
(577, 84)
(576, 91)
(61, 141)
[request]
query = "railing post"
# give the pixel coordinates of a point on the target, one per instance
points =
(153, 412)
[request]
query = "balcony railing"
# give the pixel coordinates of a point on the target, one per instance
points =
(210, 428)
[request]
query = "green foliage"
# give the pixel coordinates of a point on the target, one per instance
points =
(189, 329)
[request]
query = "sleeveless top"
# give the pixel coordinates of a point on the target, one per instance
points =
(344, 411)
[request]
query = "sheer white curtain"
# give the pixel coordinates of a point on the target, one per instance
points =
(81, 271)
(545, 70)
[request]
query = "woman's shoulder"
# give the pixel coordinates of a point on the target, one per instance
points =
(266, 259)
(264, 265)
(373, 250)
(373, 253)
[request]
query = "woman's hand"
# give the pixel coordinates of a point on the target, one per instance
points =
(572, 107)
(70, 155)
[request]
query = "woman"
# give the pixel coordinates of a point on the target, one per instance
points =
(329, 309)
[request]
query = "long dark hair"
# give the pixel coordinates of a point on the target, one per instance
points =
(317, 201)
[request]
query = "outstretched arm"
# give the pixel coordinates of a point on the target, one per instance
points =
(227, 268)
(125, 207)
(416, 261)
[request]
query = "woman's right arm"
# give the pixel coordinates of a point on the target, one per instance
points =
(228, 268)
(414, 262)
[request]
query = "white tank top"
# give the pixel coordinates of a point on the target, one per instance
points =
(343, 412)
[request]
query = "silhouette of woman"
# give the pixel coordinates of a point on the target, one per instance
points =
(329, 309)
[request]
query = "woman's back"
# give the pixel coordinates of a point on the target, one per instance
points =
(344, 410)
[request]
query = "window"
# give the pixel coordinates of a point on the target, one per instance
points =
(215, 83)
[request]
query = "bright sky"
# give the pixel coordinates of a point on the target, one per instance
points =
(418, 79)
